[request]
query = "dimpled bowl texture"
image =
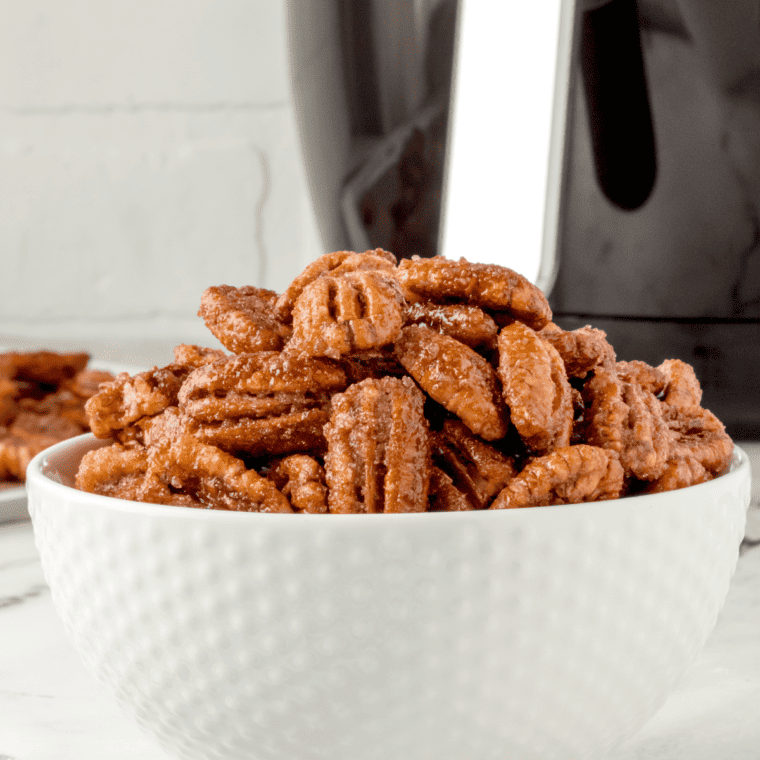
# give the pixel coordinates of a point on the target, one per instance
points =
(551, 632)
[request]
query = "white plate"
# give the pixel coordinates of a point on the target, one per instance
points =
(12, 495)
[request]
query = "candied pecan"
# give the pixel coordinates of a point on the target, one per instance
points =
(46, 367)
(169, 424)
(262, 384)
(243, 318)
(338, 315)
(149, 430)
(27, 436)
(649, 443)
(8, 393)
(371, 364)
(468, 324)
(444, 495)
(16, 452)
(627, 419)
(209, 477)
(262, 403)
(679, 472)
(697, 434)
(378, 455)
(682, 388)
(337, 262)
(647, 377)
(192, 357)
(86, 383)
(42, 399)
(476, 469)
(569, 475)
(44, 427)
(535, 388)
(489, 286)
(68, 402)
(124, 400)
(302, 479)
(582, 350)
(115, 471)
(301, 431)
(456, 377)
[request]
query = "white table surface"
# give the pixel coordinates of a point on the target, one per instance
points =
(52, 708)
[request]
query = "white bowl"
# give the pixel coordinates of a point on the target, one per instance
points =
(552, 632)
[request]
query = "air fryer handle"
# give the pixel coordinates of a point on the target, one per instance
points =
(618, 103)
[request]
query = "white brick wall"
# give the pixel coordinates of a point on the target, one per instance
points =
(147, 150)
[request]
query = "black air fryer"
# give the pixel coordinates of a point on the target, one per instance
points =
(659, 241)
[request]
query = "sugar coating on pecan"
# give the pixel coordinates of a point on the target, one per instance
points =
(649, 378)
(192, 356)
(456, 377)
(682, 389)
(535, 388)
(468, 324)
(378, 451)
(680, 472)
(208, 477)
(337, 262)
(243, 319)
(489, 286)
(582, 350)
(114, 470)
(124, 400)
(628, 419)
(337, 315)
(566, 476)
(301, 478)
(698, 435)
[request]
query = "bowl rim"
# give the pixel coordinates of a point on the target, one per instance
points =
(38, 478)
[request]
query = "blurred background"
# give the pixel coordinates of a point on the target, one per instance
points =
(147, 150)
(151, 149)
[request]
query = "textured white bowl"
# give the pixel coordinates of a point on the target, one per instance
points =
(539, 633)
